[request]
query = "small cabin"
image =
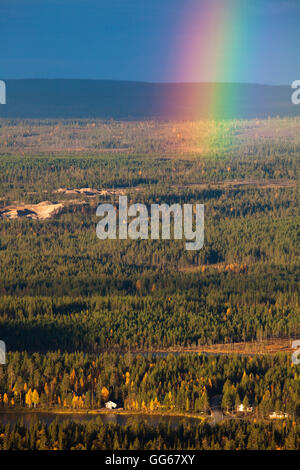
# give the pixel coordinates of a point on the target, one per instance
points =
(110, 405)
(244, 409)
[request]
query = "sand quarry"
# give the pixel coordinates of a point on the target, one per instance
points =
(91, 191)
(41, 211)
(46, 209)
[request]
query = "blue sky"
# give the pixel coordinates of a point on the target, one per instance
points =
(133, 39)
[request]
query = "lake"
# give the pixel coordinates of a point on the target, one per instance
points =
(29, 418)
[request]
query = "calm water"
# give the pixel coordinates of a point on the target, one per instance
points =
(48, 418)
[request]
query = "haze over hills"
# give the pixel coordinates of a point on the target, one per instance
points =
(66, 98)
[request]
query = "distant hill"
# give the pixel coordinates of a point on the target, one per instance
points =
(64, 98)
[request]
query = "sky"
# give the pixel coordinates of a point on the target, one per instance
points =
(253, 41)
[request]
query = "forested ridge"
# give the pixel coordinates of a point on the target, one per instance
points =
(80, 316)
(61, 287)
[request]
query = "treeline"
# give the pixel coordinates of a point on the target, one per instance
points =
(186, 383)
(230, 435)
(145, 322)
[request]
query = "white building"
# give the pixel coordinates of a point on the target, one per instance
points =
(242, 409)
(279, 415)
(110, 405)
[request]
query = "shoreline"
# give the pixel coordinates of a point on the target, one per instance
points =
(104, 411)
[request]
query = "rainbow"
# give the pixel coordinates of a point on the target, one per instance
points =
(219, 47)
